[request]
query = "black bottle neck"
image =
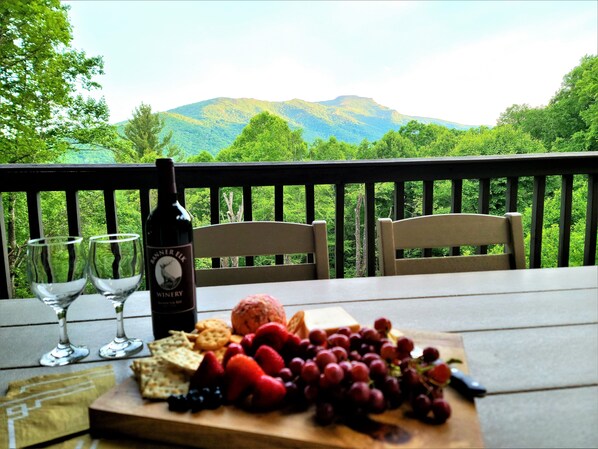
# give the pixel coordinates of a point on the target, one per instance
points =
(167, 192)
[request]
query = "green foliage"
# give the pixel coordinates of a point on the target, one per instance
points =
(331, 150)
(204, 156)
(41, 113)
(143, 133)
(266, 138)
(503, 139)
(570, 121)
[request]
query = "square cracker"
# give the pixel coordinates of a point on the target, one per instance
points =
(164, 345)
(143, 369)
(165, 380)
(184, 358)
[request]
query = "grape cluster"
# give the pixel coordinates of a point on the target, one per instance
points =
(196, 400)
(351, 373)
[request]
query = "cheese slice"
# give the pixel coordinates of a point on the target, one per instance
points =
(330, 319)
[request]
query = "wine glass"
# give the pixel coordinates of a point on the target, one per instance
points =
(115, 269)
(56, 270)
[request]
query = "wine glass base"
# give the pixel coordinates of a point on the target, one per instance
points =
(121, 349)
(64, 355)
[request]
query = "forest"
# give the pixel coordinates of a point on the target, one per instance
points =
(44, 117)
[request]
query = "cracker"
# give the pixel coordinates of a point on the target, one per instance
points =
(184, 358)
(191, 336)
(236, 338)
(144, 368)
(212, 339)
(296, 324)
(164, 381)
(210, 323)
(164, 345)
(219, 353)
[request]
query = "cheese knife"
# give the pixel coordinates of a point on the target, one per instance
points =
(461, 382)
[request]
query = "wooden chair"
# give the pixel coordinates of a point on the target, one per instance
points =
(259, 238)
(450, 230)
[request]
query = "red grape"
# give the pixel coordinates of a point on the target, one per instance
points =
(377, 402)
(346, 366)
(359, 393)
(344, 331)
(334, 373)
(317, 336)
(339, 340)
(441, 410)
(388, 351)
(405, 345)
(286, 374)
(430, 354)
(360, 372)
(295, 365)
(371, 335)
(355, 340)
(324, 357)
(355, 355)
(410, 378)
(310, 372)
(421, 405)
(382, 325)
(370, 357)
(378, 369)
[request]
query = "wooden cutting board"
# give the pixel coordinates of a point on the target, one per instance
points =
(122, 411)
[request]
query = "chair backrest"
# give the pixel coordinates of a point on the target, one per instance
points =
(260, 238)
(450, 230)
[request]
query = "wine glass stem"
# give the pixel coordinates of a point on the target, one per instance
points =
(120, 327)
(63, 340)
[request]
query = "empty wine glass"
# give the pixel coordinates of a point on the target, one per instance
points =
(115, 269)
(56, 270)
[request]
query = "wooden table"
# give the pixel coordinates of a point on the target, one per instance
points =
(531, 337)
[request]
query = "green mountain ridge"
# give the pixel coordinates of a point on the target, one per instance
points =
(213, 125)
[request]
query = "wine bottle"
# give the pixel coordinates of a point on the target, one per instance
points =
(169, 252)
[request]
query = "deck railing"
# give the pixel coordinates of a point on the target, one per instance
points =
(72, 179)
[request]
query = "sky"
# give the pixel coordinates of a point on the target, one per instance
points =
(462, 61)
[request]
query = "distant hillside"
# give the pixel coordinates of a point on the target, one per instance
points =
(214, 124)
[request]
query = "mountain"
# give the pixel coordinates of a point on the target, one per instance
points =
(214, 124)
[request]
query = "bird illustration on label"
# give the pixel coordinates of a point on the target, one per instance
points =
(168, 272)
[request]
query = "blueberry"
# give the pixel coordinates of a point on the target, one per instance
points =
(197, 403)
(178, 403)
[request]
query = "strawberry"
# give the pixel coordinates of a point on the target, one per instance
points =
(272, 334)
(233, 349)
(441, 373)
(268, 393)
(240, 376)
(270, 360)
(247, 343)
(291, 347)
(209, 373)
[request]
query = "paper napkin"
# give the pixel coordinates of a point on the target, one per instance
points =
(48, 407)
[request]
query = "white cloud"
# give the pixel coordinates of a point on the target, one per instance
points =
(475, 83)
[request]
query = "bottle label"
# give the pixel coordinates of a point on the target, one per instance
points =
(172, 278)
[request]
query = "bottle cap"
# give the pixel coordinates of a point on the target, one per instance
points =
(164, 162)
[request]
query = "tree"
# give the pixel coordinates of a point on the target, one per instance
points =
(266, 137)
(144, 132)
(42, 111)
(391, 145)
(203, 156)
(331, 150)
(570, 121)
